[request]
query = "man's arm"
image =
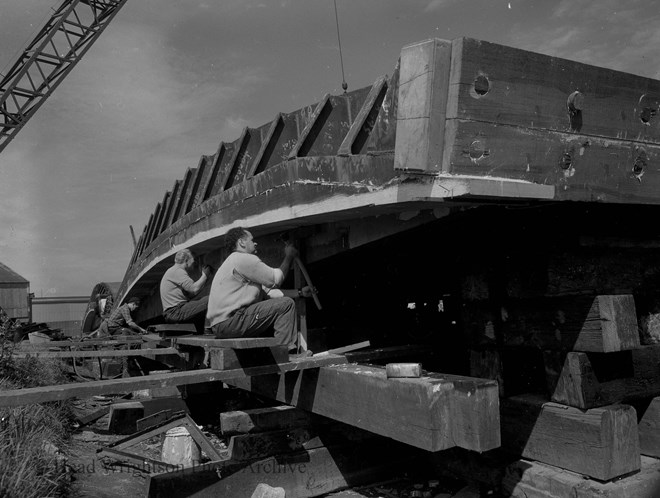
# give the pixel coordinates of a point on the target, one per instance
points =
(129, 321)
(199, 284)
(290, 254)
(292, 293)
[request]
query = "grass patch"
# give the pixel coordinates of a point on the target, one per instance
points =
(32, 437)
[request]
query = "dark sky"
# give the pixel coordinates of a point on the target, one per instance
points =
(169, 79)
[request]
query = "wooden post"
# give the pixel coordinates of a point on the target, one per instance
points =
(301, 310)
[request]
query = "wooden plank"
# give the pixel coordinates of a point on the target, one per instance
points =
(580, 167)
(263, 419)
(19, 397)
(114, 353)
(229, 359)
(345, 349)
(531, 90)
(586, 379)
(434, 412)
(423, 85)
(649, 428)
(81, 344)
(173, 327)
(237, 343)
(602, 443)
(154, 419)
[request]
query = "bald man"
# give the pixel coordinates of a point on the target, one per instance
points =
(178, 289)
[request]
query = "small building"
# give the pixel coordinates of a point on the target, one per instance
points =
(14, 294)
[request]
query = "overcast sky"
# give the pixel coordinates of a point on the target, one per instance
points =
(169, 79)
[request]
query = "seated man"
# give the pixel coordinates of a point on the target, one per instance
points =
(177, 288)
(244, 301)
(120, 321)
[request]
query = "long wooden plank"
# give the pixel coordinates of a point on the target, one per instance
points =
(19, 397)
(113, 353)
(79, 344)
(601, 443)
(434, 412)
(237, 343)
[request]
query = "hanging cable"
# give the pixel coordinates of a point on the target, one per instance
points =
(344, 85)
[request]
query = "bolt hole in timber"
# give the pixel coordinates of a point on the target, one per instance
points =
(481, 85)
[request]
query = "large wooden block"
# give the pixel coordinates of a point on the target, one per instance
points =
(263, 419)
(649, 428)
(433, 412)
(229, 359)
(602, 443)
(588, 380)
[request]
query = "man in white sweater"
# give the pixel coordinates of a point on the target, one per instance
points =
(245, 299)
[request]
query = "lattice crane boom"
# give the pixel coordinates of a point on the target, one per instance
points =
(71, 30)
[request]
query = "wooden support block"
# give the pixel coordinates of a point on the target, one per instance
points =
(403, 370)
(591, 380)
(649, 428)
(525, 478)
(263, 419)
(601, 442)
(124, 417)
(434, 412)
(238, 343)
(229, 359)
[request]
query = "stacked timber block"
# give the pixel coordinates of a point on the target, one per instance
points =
(593, 361)
(230, 354)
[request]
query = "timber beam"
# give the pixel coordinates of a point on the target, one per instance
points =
(434, 412)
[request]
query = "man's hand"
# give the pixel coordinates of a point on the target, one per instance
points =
(290, 251)
(207, 270)
(308, 291)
